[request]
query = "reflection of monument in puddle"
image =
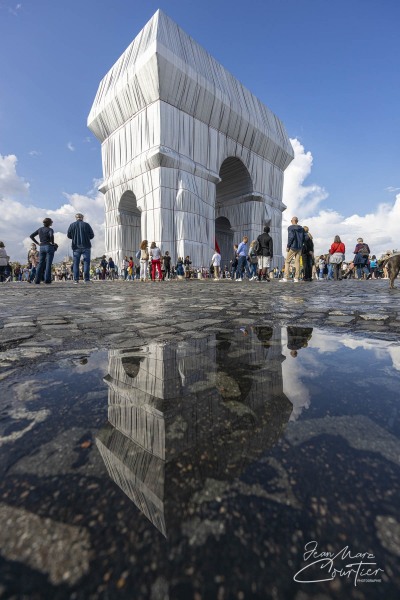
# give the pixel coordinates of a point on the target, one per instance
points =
(184, 414)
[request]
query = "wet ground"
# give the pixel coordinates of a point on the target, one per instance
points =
(200, 440)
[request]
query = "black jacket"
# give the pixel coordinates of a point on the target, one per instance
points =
(80, 233)
(308, 245)
(266, 245)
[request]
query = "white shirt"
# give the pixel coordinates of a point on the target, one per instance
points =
(216, 259)
(155, 253)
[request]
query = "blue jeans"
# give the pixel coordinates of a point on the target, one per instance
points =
(253, 269)
(361, 269)
(330, 271)
(32, 275)
(46, 255)
(85, 252)
(242, 266)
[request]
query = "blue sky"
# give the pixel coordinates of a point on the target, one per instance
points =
(329, 70)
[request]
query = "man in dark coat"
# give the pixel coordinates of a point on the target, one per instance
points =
(293, 247)
(81, 233)
(265, 253)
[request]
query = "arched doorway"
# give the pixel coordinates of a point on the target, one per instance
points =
(130, 224)
(232, 217)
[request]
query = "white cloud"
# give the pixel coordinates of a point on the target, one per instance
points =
(19, 220)
(11, 184)
(35, 153)
(301, 200)
(71, 147)
(379, 229)
(392, 189)
(331, 343)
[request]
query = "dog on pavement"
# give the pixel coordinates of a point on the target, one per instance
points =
(392, 265)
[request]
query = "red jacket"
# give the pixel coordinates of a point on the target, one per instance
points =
(337, 248)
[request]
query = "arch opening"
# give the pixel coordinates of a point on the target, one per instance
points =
(231, 219)
(235, 182)
(130, 224)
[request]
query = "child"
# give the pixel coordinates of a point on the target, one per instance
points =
(321, 266)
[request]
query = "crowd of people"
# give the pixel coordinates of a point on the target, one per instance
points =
(301, 262)
(251, 261)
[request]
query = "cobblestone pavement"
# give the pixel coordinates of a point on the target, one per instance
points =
(242, 486)
(51, 319)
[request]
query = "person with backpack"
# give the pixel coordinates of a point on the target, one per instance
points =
(264, 248)
(361, 255)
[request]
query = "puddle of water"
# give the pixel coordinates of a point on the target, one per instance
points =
(208, 466)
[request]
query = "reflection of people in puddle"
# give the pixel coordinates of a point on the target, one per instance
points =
(297, 338)
(264, 334)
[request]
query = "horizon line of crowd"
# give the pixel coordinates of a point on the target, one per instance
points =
(249, 261)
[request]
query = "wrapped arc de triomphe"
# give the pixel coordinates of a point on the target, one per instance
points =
(190, 156)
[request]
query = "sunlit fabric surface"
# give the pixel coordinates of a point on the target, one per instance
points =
(184, 144)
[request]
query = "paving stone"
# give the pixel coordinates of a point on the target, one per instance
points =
(8, 339)
(341, 319)
(22, 324)
(373, 327)
(374, 317)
